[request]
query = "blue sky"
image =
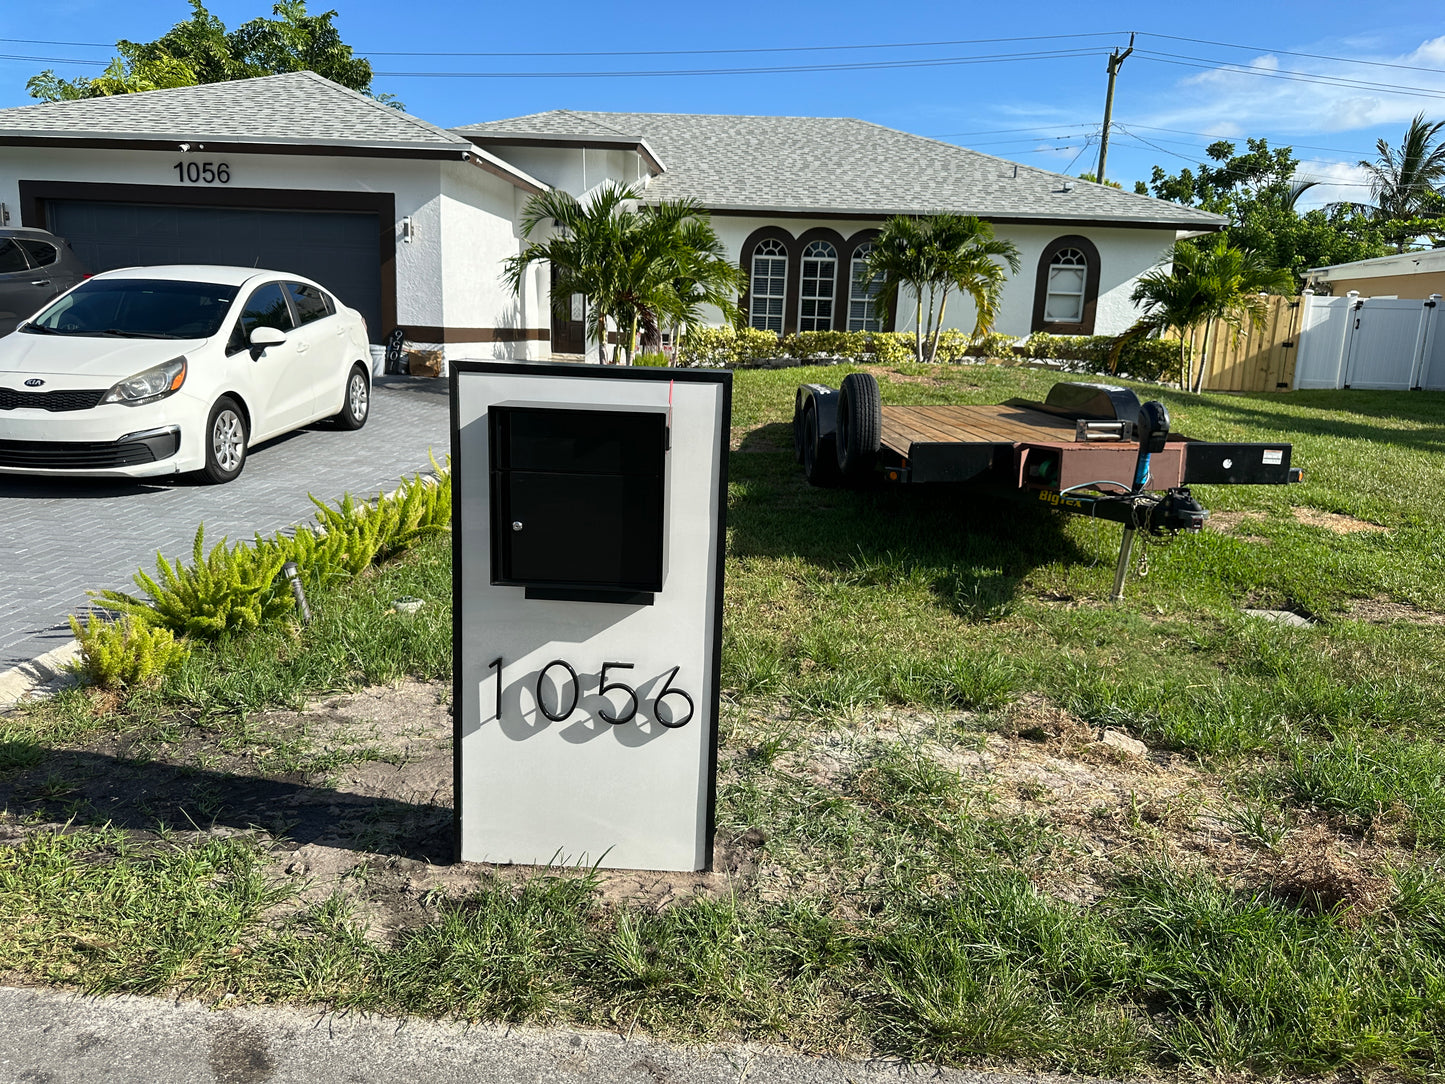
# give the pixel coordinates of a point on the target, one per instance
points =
(924, 68)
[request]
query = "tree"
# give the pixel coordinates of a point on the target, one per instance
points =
(201, 50)
(1405, 182)
(1259, 193)
(1204, 283)
(934, 254)
(640, 267)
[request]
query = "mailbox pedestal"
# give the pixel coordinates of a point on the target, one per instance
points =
(588, 509)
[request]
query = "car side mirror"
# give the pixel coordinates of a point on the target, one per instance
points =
(263, 337)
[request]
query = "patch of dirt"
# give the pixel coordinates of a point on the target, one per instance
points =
(1333, 521)
(893, 376)
(1231, 521)
(354, 795)
(1384, 611)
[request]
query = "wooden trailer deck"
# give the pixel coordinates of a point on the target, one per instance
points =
(904, 426)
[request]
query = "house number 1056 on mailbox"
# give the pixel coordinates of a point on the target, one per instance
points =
(588, 508)
(557, 692)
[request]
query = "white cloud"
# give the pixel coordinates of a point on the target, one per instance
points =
(1343, 182)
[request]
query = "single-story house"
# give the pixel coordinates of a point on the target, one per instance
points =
(1406, 274)
(410, 223)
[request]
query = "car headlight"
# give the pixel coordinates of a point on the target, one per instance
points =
(155, 383)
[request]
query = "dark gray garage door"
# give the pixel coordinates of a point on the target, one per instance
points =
(339, 249)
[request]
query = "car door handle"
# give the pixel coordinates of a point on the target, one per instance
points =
(301, 348)
(39, 282)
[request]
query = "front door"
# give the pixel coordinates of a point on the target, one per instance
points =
(23, 289)
(569, 328)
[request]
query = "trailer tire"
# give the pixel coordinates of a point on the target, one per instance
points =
(820, 463)
(860, 425)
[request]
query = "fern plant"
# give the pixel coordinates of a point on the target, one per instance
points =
(125, 653)
(229, 589)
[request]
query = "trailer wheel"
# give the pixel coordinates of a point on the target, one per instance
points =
(860, 425)
(820, 464)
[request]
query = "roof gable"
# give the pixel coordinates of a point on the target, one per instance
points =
(840, 165)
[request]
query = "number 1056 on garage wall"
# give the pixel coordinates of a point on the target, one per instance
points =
(612, 692)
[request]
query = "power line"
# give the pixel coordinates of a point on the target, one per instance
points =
(876, 65)
(1297, 77)
(1311, 56)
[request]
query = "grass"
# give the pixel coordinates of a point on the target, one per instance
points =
(876, 642)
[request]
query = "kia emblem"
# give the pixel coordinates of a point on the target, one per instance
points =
(34, 382)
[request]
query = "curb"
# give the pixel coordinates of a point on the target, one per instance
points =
(38, 678)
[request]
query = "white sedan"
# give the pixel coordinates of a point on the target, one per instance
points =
(165, 370)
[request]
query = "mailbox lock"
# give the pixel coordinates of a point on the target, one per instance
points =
(516, 524)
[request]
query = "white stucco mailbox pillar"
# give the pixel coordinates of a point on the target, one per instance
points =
(588, 514)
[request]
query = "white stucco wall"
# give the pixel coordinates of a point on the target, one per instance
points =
(480, 216)
(577, 170)
(1124, 254)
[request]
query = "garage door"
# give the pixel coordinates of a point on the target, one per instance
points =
(339, 249)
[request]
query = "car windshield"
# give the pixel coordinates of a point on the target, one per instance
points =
(137, 309)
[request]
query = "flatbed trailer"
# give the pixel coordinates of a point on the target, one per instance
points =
(1087, 449)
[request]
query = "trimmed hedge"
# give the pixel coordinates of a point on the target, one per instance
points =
(743, 348)
(1142, 359)
(747, 348)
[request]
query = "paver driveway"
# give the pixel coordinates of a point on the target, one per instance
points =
(59, 537)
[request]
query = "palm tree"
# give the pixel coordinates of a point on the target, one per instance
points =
(900, 257)
(1404, 181)
(1208, 283)
(639, 268)
(933, 255)
(967, 259)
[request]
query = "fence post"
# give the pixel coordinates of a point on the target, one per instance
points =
(1429, 329)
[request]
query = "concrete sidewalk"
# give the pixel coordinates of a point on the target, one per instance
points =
(50, 1037)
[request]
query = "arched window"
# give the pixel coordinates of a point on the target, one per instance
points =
(863, 292)
(1066, 290)
(819, 287)
(767, 288)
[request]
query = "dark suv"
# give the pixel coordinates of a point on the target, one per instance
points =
(34, 267)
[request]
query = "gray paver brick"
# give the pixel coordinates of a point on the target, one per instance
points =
(62, 536)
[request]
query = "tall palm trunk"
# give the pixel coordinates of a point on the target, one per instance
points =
(1203, 356)
(918, 327)
(938, 330)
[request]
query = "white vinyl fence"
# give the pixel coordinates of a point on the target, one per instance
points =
(1371, 342)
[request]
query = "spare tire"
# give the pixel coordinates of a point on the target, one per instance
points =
(860, 425)
(820, 463)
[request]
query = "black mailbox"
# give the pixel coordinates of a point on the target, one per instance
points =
(577, 501)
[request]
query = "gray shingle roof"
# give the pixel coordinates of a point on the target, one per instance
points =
(811, 165)
(293, 109)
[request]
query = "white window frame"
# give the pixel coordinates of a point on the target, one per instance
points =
(864, 292)
(773, 255)
(815, 305)
(1071, 259)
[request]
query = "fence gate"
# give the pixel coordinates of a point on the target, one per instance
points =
(1385, 336)
(1254, 358)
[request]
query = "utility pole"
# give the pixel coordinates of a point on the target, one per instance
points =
(1116, 61)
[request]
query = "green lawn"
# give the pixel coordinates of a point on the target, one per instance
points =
(935, 859)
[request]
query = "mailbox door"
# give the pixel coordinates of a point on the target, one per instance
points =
(581, 529)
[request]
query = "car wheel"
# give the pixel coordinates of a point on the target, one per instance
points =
(357, 404)
(225, 441)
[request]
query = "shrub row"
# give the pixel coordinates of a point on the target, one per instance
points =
(744, 348)
(233, 588)
(1141, 359)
